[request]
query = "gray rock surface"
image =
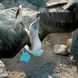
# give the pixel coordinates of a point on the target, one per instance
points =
(38, 2)
(53, 65)
(71, 4)
(3, 72)
(16, 3)
(7, 17)
(1, 6)
(48, 63)
(46, 75)
(15, 74)
(60, 49)
(74, 45)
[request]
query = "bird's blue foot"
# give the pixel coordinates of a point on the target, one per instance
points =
(38, 53)
(25, 57)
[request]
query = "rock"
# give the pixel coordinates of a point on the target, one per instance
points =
(16, 3)
(69, 44)
(29, 15)
(3, 72)
(49, 76)
(55, 3)
(53, 77)
(60, 49)
(71, 5)
(9, 3)
(42, 9)
(15, 74)
(52, 10)
(63, 1)
(26, 4)
(1, 6)
(1, 64)
(74, 44)
(63, 66)
(46, 75)
(74, 47)
(7, 17)
(37, 2)
(7, 20)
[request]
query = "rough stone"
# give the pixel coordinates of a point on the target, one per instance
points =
(49, 76)
(3, 72)
(60, 49)
(69, 44)
(48, 62)
(16, 3)
(46, 75)
(16, 74)
(37, 2)
(71, 5)
(74, 44)
(1, 6)
(50, 2)
(7, 16)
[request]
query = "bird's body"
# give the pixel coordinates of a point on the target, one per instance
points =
(34, 37)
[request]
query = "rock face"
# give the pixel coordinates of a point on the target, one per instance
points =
(69, 44)
(74, 45)
(71, 5)
(37, 2)
(38, 66)
(7, 20)
(46, 75)
(7, 17)
(3, 72)
(1, 6)
(17, 74)
(47, 64)
(16, 3)
(60, 49)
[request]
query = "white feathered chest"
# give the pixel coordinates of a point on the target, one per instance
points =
(35, 41)
(36, 44)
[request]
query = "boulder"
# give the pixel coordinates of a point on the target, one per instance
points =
(12, 34)
(60, 49)
(7, 17)
(15, 74)
(74, 44)
(3, 72)
(46, 75)
(16, 3)
(1, 6)
(37, 2)
(71, 5)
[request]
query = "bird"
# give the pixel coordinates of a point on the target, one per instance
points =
(36, 44)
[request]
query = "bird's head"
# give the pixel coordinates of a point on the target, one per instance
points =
(34, 25)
